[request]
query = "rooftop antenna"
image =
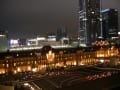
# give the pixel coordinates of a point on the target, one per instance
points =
(101, 18)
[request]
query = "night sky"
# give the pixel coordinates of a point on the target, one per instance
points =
(28, 18)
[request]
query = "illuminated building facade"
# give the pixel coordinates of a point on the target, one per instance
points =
(14, 43)
(48, 58)
(90, 24)
(110, 23)
(3, 41)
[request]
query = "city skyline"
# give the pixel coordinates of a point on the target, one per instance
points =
(59, 45)
(28, 19)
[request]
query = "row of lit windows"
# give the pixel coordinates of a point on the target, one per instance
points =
(61, 57)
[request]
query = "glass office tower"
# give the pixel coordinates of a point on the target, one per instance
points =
(110, 23)
(90, 23)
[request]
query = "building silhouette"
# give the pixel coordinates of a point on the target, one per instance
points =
(61, 33)
(3, 41)
(110, 23)
(90, 24)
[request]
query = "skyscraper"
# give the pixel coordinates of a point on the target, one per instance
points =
(110, 23)
(90, 24)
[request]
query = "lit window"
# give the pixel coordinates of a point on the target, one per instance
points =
(35, 62)
(7, 65)
(14, 64)
(18, 69)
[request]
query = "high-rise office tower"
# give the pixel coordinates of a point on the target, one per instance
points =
(90, 24)
(110, 23)
(3, 41)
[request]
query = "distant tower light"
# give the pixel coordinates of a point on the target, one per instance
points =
(100, 19)
(84, 19)
(93, 12)
(118, 33)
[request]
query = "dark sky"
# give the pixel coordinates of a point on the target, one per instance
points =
(28, 18)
